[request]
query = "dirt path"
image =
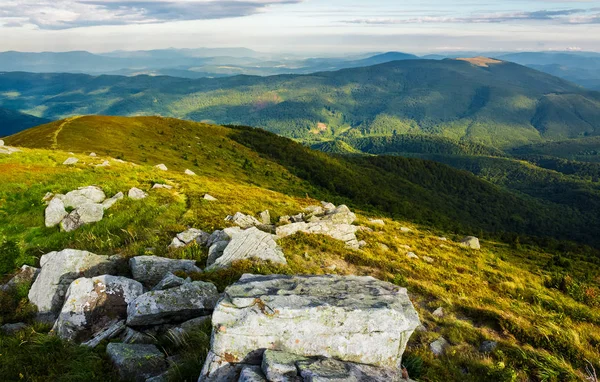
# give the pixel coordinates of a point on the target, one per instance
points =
(59, 129)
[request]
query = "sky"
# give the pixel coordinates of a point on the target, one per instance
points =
(307, 27)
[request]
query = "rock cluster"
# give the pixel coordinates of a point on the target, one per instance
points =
(7, 149)
(311, 326)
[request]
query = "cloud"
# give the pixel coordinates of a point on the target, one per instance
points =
(565, 16)
(64, 14)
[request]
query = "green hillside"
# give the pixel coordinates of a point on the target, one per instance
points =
(12, 122)
(497, 104)
(539, 302)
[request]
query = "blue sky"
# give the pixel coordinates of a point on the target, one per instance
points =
(309, 27)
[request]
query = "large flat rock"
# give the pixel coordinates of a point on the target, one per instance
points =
(150, 270)
(355, 319)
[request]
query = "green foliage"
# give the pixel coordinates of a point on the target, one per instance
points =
(581, 292)
(10, 252)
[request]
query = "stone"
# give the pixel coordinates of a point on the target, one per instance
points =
(173, 305)
(439, 312)
(215, 251)
(131, 336)
(59, 270)
(332, 370)
(377, 222)
(265, 217)
(168, 282)
(341, 215)
(111, 202)
(161, 167)
(85, 214)
(343, 232)
(137, 194)
(442, 238)
(83, 196)
(70, 161)
(193, 234)
(252, 374)
(189, 172)
(328, 207)
(104, 164)
(55, 212)
(383, 247)
(428, 259)
(150, 270)
(1, 142)
(176, 243)
(195, 323)
(405, 229)
(243, 221)
(158, 186)
(412, 255)
(93, 155)
(285, 219)
(470, 242)
(251, 243)
(209, 198)
(280, 366)
(136, 362)
(110, 332)
(92, 304)
(351, 318)
(218, 369)
(11, 329)
(362, 244)
(488, 346)
(438, 347)
(297, 218)
(25, 276)
(48, 197)
(314, 211)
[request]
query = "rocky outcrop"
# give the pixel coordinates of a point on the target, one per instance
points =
(248, 244)
(91, 304)
(351, 319)
(177, 304)
(59, 269)
(470, 242)
(136, 362)
(150, 270)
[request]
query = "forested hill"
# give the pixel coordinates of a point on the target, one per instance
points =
(13, 121)
(490, 102)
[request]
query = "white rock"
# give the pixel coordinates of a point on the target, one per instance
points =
(137, 194)
(405, 229)
(83, 195)
(55, 212)
(93, 155)
(193, 234)
(70, 161)
(168, 282)
(265, 217)
(104, 164)
(85, 214)
(357, 319)
(189, 172)
(162, 186)
(209, 198)
(438, 347)
(161, 167)
(439, 312)
(150, 270)
(341, 215)
(59, 269)
(91, 304)
(471, 242)
(110, 202)
(243, 221)
(377, 222)
(412, 255)
(1, 142)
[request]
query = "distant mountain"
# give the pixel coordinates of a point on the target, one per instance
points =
(12, 122)
(497, 104)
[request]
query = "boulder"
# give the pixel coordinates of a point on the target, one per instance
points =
(297, 218)
(131, 336)
(355, 319)
(161, 167)
(92, 304)
(59, 269)
(150, 270)
(243, 221)
(110, 202)
(252, 374)
(11, 329)
(85, 214)
(136, 362)
(93, 155)
(8, 150)
(158, 186)
(250, 244)
(83, 196)
(215, 251)
(173, 305)
(488, 346)
(137, 194)
(193, 234)
(280, 366)
(70, 161)
(405, 229)
(470, 242)
(332, 370)
(112, 330)
(343, 232)
(1, 142)
(55, 212)
(168, 282)
(438, 347)
(341, 215)
(209, 198)
(25, 276)
(189, 172)
(314, 211)
(265, 217)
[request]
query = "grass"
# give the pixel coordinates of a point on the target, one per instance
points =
(540, 305)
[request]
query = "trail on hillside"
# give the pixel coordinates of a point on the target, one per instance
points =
(59, 129)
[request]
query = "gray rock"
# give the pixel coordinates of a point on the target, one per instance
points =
(328, 207)
(218, 369)
(195, 323)
(471, 242)
(250, 244)
(215, 251)
(176, 243)
(358, 319)
(168, 282)
(252, 374)
(331, 370)
(59, 269)
(24, 276)
(85, 214)
(70, 161)
(55, 212)
(150, 270)
(217, 236)
(111, 202)
(131, 336)
(110, 332)
(243, 221)
(83, 196)
(285, 219)
(362, 244)
(137, 194)
(11, 329)
(439, 312)
(193, 234)
(161, 167)
(189, 172)
(209, 198)
(92, 304)
(441, 238)
(488, 346)
(438, 347)
(279, 366)
(265, 217)
(173, 305)
(343, 232)
(104, 164)
(136, 362)
(383, 247)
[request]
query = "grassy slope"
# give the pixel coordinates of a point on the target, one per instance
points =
(499, 293)
(503, 105)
